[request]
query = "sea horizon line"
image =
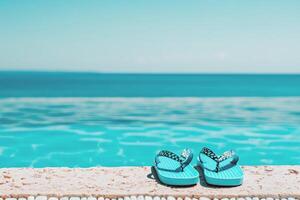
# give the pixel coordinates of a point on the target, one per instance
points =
(146, 73)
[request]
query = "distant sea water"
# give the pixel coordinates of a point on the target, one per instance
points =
(43, 84)
(86, 119)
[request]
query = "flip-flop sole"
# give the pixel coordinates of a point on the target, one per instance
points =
(229, 177)
(232, 176)
(189, 176)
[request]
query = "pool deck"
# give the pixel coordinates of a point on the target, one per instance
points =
(119, 182)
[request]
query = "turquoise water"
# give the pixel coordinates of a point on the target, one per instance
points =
(40, 126)
(122, 131)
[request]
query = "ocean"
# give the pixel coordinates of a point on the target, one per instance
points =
(46, 84)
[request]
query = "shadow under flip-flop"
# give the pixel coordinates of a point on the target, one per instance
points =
(153, 175)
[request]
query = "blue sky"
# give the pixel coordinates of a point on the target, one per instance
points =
(212, 36)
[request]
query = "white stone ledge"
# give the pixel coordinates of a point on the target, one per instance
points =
(262, 182)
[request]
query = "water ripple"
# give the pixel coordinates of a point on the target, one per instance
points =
(85, 132)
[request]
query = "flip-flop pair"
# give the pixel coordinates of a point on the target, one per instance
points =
(173, 169)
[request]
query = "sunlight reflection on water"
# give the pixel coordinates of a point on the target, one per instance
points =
(87, 132)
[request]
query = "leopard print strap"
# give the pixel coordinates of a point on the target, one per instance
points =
(226, 155)
(218, 159)
(171, 155)
(184, 159)
(209, 153)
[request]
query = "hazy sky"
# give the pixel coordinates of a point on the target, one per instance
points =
(151, 35)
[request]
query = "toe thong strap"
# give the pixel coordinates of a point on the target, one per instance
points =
(184, 159)
(219, 159)
(226, 156)
(187, 157)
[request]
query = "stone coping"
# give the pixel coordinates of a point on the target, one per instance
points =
(114, 182)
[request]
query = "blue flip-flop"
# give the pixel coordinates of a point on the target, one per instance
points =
(173, 169)
(220, 170)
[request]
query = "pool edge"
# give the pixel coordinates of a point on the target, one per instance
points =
(120, 182)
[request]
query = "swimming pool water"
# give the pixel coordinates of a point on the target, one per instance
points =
(84, 132)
